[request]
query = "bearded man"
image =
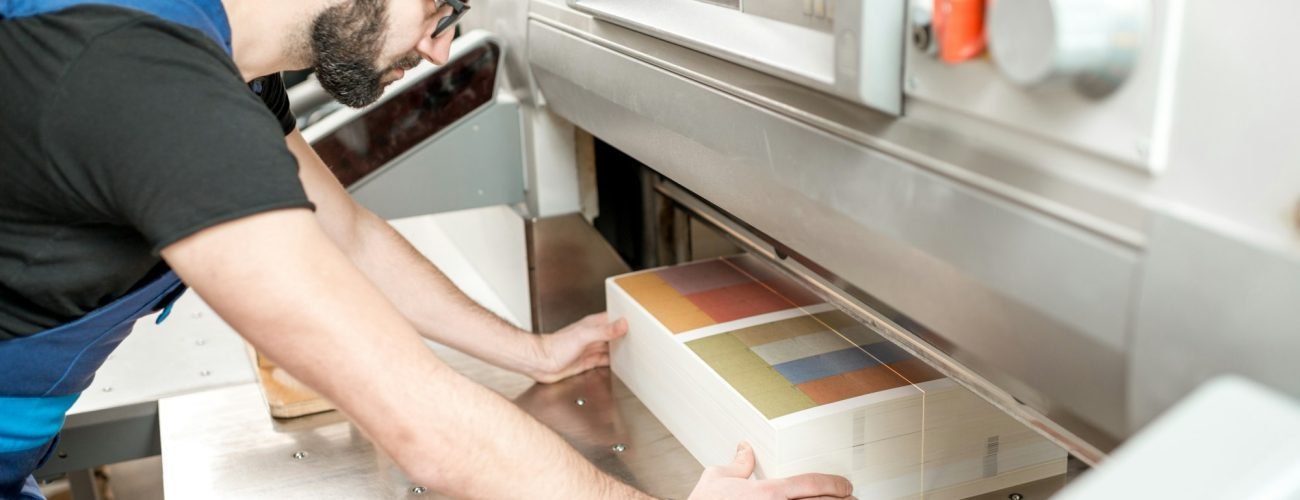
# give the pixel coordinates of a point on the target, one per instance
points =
(146, 142)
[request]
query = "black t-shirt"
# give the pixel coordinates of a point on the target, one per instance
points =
(121, 133)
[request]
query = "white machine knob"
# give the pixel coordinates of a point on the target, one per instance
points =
(1093, 42)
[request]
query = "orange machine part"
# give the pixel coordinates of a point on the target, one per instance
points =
(959, 27)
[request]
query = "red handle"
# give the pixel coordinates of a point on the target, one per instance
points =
(959, 26)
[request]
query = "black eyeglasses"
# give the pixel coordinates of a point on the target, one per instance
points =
(458, 10)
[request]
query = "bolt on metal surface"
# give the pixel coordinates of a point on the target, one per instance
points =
(299, 455)
(618, 448)
(1015, 496)
(418, 490)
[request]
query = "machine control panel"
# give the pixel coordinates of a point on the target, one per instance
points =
(1068, 75)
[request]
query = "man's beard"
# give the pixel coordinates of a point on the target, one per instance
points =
(346, 41)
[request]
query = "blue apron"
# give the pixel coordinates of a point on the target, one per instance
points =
(42, 375)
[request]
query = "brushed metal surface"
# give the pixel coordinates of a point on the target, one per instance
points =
(1219, 293)
(477, 162)
(988, 382)
(223, 444)
(1092, 193)
(1212, 304)
(858, 58)
(984, 274)
(568, 263)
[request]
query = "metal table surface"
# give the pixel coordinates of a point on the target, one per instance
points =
(223, 443)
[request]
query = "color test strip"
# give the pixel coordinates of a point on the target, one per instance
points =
(706, 293)
(806, 346)
(783, 366)
(750, 376)
(794, 364)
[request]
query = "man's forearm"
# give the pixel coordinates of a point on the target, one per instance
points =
(431, 302)
(275, 278)
(438, 309)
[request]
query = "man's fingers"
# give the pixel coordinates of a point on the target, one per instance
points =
(616, 329)
(740, 467)
(598, 360)
(812, 486)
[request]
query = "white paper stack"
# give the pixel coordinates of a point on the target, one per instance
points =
(726, 350)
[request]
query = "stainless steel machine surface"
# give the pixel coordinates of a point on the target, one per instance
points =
(1082, 255)
(223, 444)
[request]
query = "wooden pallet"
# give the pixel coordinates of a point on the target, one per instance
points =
(285, 396)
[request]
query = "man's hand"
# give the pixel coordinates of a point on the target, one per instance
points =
(575, 349)
(732, 481)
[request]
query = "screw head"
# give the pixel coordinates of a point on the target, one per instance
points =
(618, 448)
(581, 402)
(921, 37)
(1015, 496)
(418, 490)
(299, 455)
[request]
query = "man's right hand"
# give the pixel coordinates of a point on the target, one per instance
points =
(732, 481)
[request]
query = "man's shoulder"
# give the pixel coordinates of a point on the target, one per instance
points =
(128, 32)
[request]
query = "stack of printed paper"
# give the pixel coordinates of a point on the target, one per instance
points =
(727, 350)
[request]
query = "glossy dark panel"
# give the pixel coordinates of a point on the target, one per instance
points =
(421, 111)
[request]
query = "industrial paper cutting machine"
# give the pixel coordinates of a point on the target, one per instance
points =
(1079, 215)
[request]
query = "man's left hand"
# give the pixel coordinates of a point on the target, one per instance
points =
(576, 348)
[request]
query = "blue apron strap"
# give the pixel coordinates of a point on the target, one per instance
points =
(207, 16)
(55, 366)
(167, 311)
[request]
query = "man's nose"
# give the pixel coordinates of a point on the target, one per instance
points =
(435, 50)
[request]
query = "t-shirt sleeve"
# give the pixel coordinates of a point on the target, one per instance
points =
(155, 129)
(276, 98)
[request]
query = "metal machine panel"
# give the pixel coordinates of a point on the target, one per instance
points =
(851, 49)
(477, 163)
(1221, 285)
(1211, 304)
(1039, 305)
(441, 140)
(1129, 125)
